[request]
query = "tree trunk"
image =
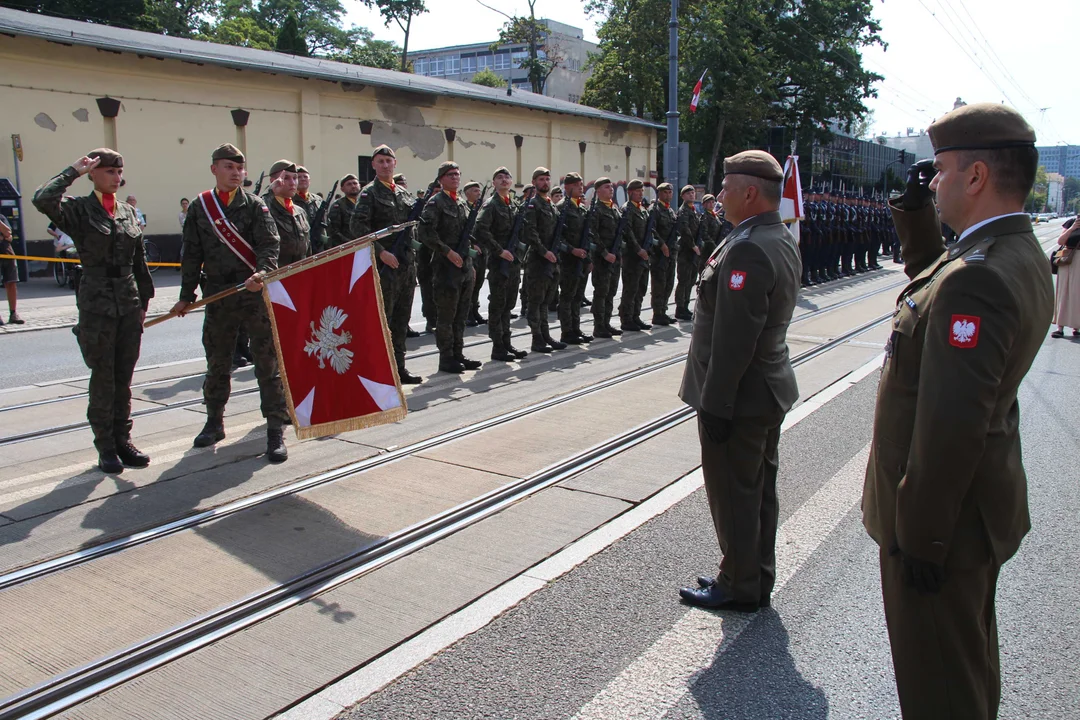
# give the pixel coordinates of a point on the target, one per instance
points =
(405, 46)
(709, 187)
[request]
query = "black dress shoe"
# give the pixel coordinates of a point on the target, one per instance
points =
(212, 433)
(470, 364)
(451, 366)
(584, 338)
(503, 355)
(410, 333)
(407, 378)
(275, 446)
(716, 598)
(131, 456)
(708, 581)
(109, 462)
(555, 344)
(519, 354)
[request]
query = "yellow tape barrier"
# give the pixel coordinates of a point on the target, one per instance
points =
(70, 260)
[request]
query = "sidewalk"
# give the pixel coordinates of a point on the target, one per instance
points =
(45, 306)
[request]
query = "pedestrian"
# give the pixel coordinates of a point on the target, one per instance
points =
(945, 496)
(739, 379)
(541, 264)
(495, 225)
(114, 294)
(9, 273)
(138, 213)
(231, 236)
(1067, 290)
(384, 203)
(184, 203)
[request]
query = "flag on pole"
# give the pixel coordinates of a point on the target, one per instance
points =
(697, 93)
(791, 202)
(334, 350)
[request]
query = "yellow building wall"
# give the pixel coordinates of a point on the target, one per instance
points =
(173, 114)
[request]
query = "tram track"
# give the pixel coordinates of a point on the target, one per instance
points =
(195, 402)
(78, 685)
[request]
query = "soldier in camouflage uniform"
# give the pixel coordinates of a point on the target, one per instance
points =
(527, 194)
(606, 264)
(472, 191)
(541, 264)
(384, 203)
(494, 227)
(575, 263)
(689, 255)
(442, 224)
(710, 233)
(339, 217)
(113, 296)
(205, 252)
(310, 203)
(293, 226)
(635, 267)
(664, 252)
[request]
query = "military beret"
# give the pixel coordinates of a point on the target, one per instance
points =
(686, 189)
(571, 178)
(556, 190)
(383, 150)
(470, 184)
(501, 171)
(302, 169)
(539, 172)
(109, 158)
(601, 181)
(400, 178)
(282, 166)
(664, 186)
(528, 187)
(228, 151)
(446, 167)
(756, 163)
(708, 198)
(634, 184)
(981, 126)
(347, 178)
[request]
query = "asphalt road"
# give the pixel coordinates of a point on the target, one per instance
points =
(610, 638)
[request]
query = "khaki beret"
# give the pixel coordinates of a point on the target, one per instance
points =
(446, 167)
(556, 190)
(347, 178)
(528, 187)
(601, 181)
(539, 172)
(501, 171)
(981, 126)
(634, 184)
(470, 184)
(400, 178)
(383, 150)
(228, 151)
(571, 178)
(282, 166)
(686, 189)
(756, 163)
(708, 198)
(664, 186)
(109, 157)
(302, 169)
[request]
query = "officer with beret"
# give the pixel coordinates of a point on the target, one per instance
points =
(710, 232)
(442, 224)
(739, 379)
(664, 253)
(238, 246)
(494, 228)
(635, 268)
(541, 263)
(294, 229)
(383, 203)
(114, 294)
(606, 218)
(946, 494)
(339, 217)
(689, 253)
(310, 203)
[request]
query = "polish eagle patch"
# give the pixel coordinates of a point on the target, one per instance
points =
(737, 281)
(964, 331)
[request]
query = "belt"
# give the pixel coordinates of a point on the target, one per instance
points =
(108, 271)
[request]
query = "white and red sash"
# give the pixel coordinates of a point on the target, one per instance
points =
(226, 232)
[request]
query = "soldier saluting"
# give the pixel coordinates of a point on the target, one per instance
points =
(230, 235)
(113, 296)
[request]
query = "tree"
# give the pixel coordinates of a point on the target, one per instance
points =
(289, 39)
(240, 31)
(544, 56)
(401, 12)
(120, 13)
(179, 18)
(488, 78)
(1070, 191)
(366, 50)
(1036, 201)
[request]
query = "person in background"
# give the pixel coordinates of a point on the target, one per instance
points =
(1067, 290)
(138, 213)
(184, 202)
(9, 274)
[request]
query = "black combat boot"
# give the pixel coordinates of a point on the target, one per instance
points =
(212, 432)
(613, 330)
(410, 333)
(571, 338)
(503, 355)
(276, 451)
(539, 344)
(602, 333)
(407, 378)
(130, 455)
(450, 365)
(519, 354)
(109, 462)
(583, 337)
(469, 364)
(555, 344)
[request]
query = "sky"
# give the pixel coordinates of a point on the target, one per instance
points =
(938, 50)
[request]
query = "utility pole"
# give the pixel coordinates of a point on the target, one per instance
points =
(672, 172)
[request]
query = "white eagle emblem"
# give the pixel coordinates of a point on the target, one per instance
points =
(737, 279)
(325, 344)
(963, 331)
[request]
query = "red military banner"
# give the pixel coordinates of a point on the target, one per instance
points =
(334, 349)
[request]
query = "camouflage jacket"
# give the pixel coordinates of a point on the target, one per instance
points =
(380, 207)
(575, 219)
(102, 242)
(634, 234)
(339, 219)
(441, 225)
(538, 227)
(494, 224)
(311, 206)
(605, 223)
(294, 230)
(205, 253)
(688, 228)
(710, 234)
(665, 228)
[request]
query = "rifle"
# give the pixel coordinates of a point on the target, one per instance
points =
(258, 185)
(319, 221)
(649, 240)
(583, 242)
(557, 245)
(616, 243)
(466, 232)
(698, 242)
(513, 243)
(396, 247)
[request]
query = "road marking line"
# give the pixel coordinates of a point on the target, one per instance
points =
(373, 677)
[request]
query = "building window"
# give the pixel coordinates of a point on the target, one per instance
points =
(468, 64)
(364, 172)
(453, 66)
(435, 67)
(502, 61)
(574, 98)
(517, 57)
(420, 66)
(486, 62)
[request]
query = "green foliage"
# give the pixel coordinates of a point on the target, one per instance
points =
(488, 78)
(121, 13)
(1070, 193)
(289, 39)
(366, 50)
(240, 31)
(543, 57)
(402, 13)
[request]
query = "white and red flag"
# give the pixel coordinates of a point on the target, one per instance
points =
(791, 202)
(697, 93)
(334, 350)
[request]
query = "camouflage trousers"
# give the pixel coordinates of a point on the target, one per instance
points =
(663, 282)
(538, 287)
(110, 348)
(605, 281)
(425, 275)
(635, 278)
(452, 305)
(398, 288)
(221, 325)
(686, 270)
(571, 291)
(502, 296)
(480, 265)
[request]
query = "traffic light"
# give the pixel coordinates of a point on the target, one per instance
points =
(901, 157)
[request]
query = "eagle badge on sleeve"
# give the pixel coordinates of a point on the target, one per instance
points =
(737, 280)
(964, 331)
